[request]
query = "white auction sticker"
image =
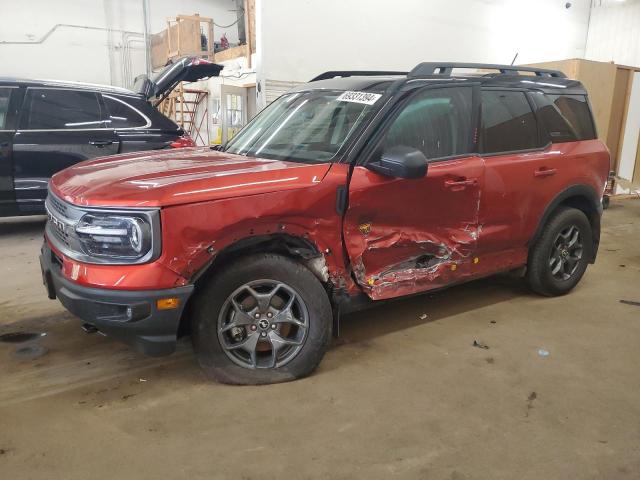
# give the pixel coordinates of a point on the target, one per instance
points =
(359, 97)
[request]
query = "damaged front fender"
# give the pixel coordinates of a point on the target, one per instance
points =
(302, 223)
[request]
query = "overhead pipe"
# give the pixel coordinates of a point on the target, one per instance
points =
(147, 29)
(64, 25)
(126, 40)
(128, 74)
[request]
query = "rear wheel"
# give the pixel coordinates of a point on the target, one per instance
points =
(560, 257)
(262, 319)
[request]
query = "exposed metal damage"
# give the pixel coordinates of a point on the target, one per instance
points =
(410, 237)
(428, 262)
(318, 265)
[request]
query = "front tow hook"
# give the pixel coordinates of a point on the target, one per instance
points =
(89, 329)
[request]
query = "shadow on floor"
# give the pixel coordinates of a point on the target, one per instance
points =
(22, 225)
(406, 313)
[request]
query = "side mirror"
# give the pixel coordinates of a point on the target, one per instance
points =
(400, 162)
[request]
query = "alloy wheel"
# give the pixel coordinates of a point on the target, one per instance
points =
(263, 324)
(566, 253)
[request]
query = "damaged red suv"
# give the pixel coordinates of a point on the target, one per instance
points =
(353, 188)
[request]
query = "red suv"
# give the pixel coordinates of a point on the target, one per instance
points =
(353, 188)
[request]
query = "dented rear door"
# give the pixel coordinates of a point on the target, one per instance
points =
(407, 236)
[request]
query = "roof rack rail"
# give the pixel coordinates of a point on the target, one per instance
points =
(434, 68)
(354, 73)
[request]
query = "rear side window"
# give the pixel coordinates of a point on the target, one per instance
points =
(508, 123)
(56, 109)
(555, 123)
(5, 96)
(122, 115)
(575, 110)
(437, 122)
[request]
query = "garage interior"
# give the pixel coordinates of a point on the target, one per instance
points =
(484, 380)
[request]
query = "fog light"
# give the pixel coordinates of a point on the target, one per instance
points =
(167, 303)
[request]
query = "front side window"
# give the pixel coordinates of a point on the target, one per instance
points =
(306, 127)
(5, 96)
(508, 123)
(123, 115)
(436, 121)
(59, 109)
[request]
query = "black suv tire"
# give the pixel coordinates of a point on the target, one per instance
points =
(218, 307)
(554, 246)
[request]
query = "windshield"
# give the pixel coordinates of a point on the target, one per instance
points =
(304, 127)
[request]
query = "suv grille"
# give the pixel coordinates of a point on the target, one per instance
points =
(61, 221)
(61, 236)
(57, 205)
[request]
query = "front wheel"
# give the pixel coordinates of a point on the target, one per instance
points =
(560, 257)
(262, 319)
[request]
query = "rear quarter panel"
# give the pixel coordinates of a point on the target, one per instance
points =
(514, 200)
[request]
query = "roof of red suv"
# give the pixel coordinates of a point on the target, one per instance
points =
(549, 81)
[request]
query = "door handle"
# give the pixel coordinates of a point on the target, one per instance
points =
(100, 143)
(544, 172)
(461, 183)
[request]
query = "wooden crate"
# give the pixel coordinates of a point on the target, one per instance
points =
(182, 37)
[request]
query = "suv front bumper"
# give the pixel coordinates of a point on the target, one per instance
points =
(128, 315)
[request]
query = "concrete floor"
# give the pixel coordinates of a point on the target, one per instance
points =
(396, 396)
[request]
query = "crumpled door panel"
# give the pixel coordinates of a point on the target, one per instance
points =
(408, 236)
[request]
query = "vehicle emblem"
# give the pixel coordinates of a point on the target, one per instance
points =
(58, 224)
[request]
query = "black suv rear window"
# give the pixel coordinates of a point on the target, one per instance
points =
(58, 109)
(5, 95)
(508, 123)
(122, 115)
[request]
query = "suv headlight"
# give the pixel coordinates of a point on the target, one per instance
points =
(115, 236)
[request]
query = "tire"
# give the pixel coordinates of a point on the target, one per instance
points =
(550, 268)
(297, 333)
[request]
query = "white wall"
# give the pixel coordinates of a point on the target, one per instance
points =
(69, 53)
(298, 39)
(631, 130)
(92, 55)
(222, 12)
(614, 32)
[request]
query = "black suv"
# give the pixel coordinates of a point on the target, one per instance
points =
(46, 126)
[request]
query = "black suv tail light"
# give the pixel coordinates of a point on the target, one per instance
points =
(182, 142)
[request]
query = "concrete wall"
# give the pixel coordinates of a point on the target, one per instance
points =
(297, 39)
(92, 55)
(614, 32)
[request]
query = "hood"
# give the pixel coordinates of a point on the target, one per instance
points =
(174, 177)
